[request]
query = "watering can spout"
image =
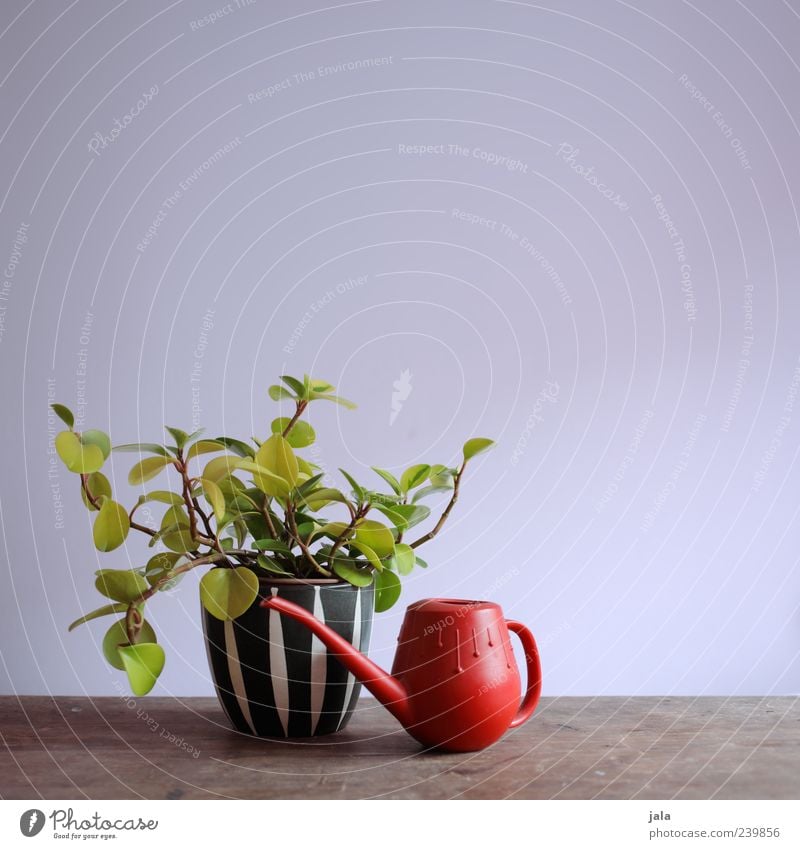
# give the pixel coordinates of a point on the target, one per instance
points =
(386, 689)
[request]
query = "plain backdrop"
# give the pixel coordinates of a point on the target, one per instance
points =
(571, 227)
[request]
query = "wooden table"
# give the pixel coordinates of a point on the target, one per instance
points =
(576, 748)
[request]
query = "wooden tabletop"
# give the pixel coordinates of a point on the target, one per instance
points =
(573, 748)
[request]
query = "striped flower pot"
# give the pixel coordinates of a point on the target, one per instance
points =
(273, 677)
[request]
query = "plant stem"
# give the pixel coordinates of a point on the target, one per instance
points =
(337, 543)
(214, 557)
(443, 518)
(133, 623)
(303, 547)
(214, 535)
(301, 405)
(206, 523)
(266, 513)
(96, 504)
(187, 496)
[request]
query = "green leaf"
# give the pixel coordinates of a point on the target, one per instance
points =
(241, 532)
(215, 497)
(231, 487)
(399, 524)
(306, 530)
(271, 566)
(241, 449)
(65, 414)
(441, 476)
(307, 486)
(403, 560)
(377, 536)
(307, 468)
(319, 498)
(117, 636)
(278, 392)
(414, 476)
(105, 610)
(294, 384)
(423, 564)
(246, 498)
(228, 593)
(221, 467)
(98, 438)
(388, 499)
(302, 517)
(476, 446)
(410, 514)
(161, 566)
(332, 529)
(301, 434)
(358, 490)
(174, 515)
(276, 456)
(387, 590)
(99, 486)
(317, 385)
(77, 457)
(429, 490)
(143, 663)
(266, 481)
(142, 448)
(180, 436)
(389, 478)
(147, 469)
(163, 496)
(414, 513)
(254, 524)
(368, 552)
(111, 526)
(179, 539)
(337, 399)
(272, 545)
(124, 585)
(353, 574)
(174, 531)
(204, 446)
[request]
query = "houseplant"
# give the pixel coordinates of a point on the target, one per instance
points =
(253, 513)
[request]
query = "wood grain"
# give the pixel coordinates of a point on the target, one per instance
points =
(573, 748)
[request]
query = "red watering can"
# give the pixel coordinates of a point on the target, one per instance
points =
(454, 684)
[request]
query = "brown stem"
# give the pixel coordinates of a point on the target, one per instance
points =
(301, 405)
(215, 557)
(133, 617)
(186, 493)
(133, 623)
(337, 543)
(303, 547)
(443, 518)
(265, 512)
(96, 504)
(206, 522)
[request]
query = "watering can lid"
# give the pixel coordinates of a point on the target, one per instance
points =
(452, 606)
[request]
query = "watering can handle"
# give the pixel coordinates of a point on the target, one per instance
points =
(534, 688)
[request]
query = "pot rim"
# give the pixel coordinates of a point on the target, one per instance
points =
(303, 581)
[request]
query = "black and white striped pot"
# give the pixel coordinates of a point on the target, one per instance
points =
(273, 677)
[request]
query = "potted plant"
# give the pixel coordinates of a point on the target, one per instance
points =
(265, 521)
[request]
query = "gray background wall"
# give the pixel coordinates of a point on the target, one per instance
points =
(626, 328)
